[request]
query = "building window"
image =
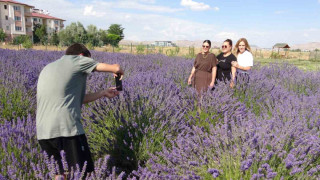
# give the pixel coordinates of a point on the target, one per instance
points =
(17, 18)
(7, 28)
(56, 29)
(56, 22)
(7, 18)
(5, 6)
(39, 20)
(34, 19)
(16, 8)
(18, 28)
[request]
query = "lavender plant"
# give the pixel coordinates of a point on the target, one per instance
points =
(265, 129)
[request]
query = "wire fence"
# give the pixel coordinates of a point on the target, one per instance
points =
(314, 56)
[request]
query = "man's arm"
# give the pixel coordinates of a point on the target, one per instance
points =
(114, 68)
(109, 93)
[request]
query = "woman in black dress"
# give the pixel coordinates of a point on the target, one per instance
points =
(225, 71)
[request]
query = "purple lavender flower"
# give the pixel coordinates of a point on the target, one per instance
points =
(214, 172)
(245, 165)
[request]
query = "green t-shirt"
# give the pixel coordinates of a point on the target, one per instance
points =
(60, 93)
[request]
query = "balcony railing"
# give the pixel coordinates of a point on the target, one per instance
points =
(28, 24)
(28, 14)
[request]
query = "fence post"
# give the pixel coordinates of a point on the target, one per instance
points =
(300, 55)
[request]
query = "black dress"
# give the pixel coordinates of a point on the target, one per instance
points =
(224, 67)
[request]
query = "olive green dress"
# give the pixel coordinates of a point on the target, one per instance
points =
(203, 65)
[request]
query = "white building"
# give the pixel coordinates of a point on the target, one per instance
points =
(164, 43)
(53, 24)
(18, 19)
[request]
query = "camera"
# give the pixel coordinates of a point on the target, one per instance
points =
(118, 82)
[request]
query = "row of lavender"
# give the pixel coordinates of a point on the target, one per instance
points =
(266, 129)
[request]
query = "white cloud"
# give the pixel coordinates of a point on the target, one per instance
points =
(195, 6)
(154, 26)
(216, 8)
(226, 35)
(88, 11)
(138, 5)
(147, 28)
(280, 12)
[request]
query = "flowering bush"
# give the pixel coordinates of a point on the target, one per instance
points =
(266, 129)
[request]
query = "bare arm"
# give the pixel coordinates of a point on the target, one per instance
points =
(233, 73)
(214, 74)
(109, 93)
(114, 68)
(191, 75)
(233, 76)
(236, 65)
(247, 68)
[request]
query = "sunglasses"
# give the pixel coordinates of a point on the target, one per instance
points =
(205, 46)
(224, 46)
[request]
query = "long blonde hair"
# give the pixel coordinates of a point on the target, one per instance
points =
(236, 48)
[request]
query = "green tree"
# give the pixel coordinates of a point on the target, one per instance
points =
(2, 35)
(54, 39)
(103, 36)
(113, 40)
(41, 33)
(74, 33)
(93, 36)
(117, 30)
(24, 40)
(35, 37)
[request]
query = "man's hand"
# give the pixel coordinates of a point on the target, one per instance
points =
(111, 92)
(119, 71)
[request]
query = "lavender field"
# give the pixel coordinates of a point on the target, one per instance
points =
(268, 129)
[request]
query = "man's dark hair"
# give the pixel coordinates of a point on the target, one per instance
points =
(207, 41)
(76, 49)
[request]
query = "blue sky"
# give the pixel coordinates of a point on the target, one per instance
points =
(262, 22)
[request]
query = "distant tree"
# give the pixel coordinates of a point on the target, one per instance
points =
(24, 40)
(103, 36)
(113, 40)
(35, 37)
(2, 35)
(93, 36)
(41, 33)
(54, 39)
(74, 33)
(117, 30)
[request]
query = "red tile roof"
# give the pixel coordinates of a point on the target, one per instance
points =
(45, 16)
(15, 2)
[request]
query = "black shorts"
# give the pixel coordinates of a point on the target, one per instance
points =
(76, 149)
